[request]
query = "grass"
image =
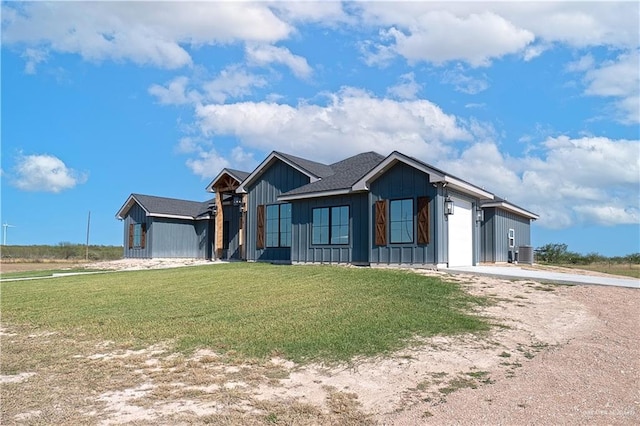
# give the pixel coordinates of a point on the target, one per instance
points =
(628, 269)
(256, 310)
(43, 273)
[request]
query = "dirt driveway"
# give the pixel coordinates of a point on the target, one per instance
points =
(558, 355)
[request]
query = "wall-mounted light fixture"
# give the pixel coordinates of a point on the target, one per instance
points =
(213, 208)
(448, 206)
(479, 214)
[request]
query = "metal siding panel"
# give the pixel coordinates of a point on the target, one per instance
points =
(137, 215)
(403, 181)
(177, 239)
(504, 221)
(274, 181)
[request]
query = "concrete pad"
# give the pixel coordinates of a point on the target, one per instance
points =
(515, 272)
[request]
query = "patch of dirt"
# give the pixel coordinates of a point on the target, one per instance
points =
(557, 354)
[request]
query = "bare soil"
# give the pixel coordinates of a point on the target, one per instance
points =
(558, 355)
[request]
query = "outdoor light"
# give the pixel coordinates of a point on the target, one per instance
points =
(448, 206)
(479, 214)
(213, 208)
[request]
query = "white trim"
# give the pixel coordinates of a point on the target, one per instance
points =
(260, 169)
(171, 216)
(314, 194)
(508, 206)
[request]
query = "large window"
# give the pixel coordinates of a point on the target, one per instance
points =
(278, 225)
(401, 220)
(330, 225)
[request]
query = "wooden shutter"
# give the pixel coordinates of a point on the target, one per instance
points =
(131, 235)
(143, 235)
(260, 235)
(381, 223)
(423, 220)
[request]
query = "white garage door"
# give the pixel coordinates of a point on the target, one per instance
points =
(460, 234)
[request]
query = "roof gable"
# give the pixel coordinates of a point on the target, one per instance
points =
(237, 175)
(315, 171)
(166, 207)
(435, 175)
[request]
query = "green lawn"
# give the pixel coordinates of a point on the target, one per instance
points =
(256, 310)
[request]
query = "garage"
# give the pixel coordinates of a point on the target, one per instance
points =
(460, 228)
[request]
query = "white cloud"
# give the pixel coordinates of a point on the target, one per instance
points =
(141, 32)
(33, 58)
(352, 121)
(407, 88)
(586, 180)
(463, 82)
(175, 92)
(480, 32)
(207, 164)
(619, 79)
(232, 82)
(266, 54)
(45, 173)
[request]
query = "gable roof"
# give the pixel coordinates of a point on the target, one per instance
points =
(166, 207)
(314, 170)
(238, 175)
(435, 175)
(345, 174)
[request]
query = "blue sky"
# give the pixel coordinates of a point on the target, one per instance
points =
(537, 102)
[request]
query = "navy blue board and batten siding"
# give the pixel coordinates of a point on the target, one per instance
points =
(232, 216)
(304, 251)
(277, 179)
(137, 215)
(401, 182)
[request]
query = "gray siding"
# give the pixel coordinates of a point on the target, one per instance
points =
(303, 251)
(495, 233)
(179, 238)
(137, 215)
(403, 181)
(232, 214)
(167, 237)
(277, 179)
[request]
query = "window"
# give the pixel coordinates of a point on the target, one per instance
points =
(512, 238)
(277, 225)
(401, 220)
(137, 235)
(330, 225)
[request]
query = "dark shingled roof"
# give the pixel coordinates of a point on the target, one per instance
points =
(239, 174)
(172, 206)
(318, 169)
(345, 174)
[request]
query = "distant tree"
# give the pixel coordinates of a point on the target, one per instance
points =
(552, 253)
(68, 250)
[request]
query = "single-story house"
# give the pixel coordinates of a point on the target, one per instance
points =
(367, 209)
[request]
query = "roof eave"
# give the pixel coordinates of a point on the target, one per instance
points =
(318, 194)
(127, 206)
(210, 187)
(512, 208)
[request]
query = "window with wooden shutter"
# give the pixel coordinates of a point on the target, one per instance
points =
(143, 235)
(423, 220)
(381, 223)
(131, 235)
(260, 234)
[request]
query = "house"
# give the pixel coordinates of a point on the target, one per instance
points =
(158, 227)
(367, 209)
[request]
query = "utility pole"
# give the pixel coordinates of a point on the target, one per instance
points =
(88, 224)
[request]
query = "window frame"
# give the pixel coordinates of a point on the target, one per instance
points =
(331, 225)
(402, 221)
(284, 236)
(511, 236)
